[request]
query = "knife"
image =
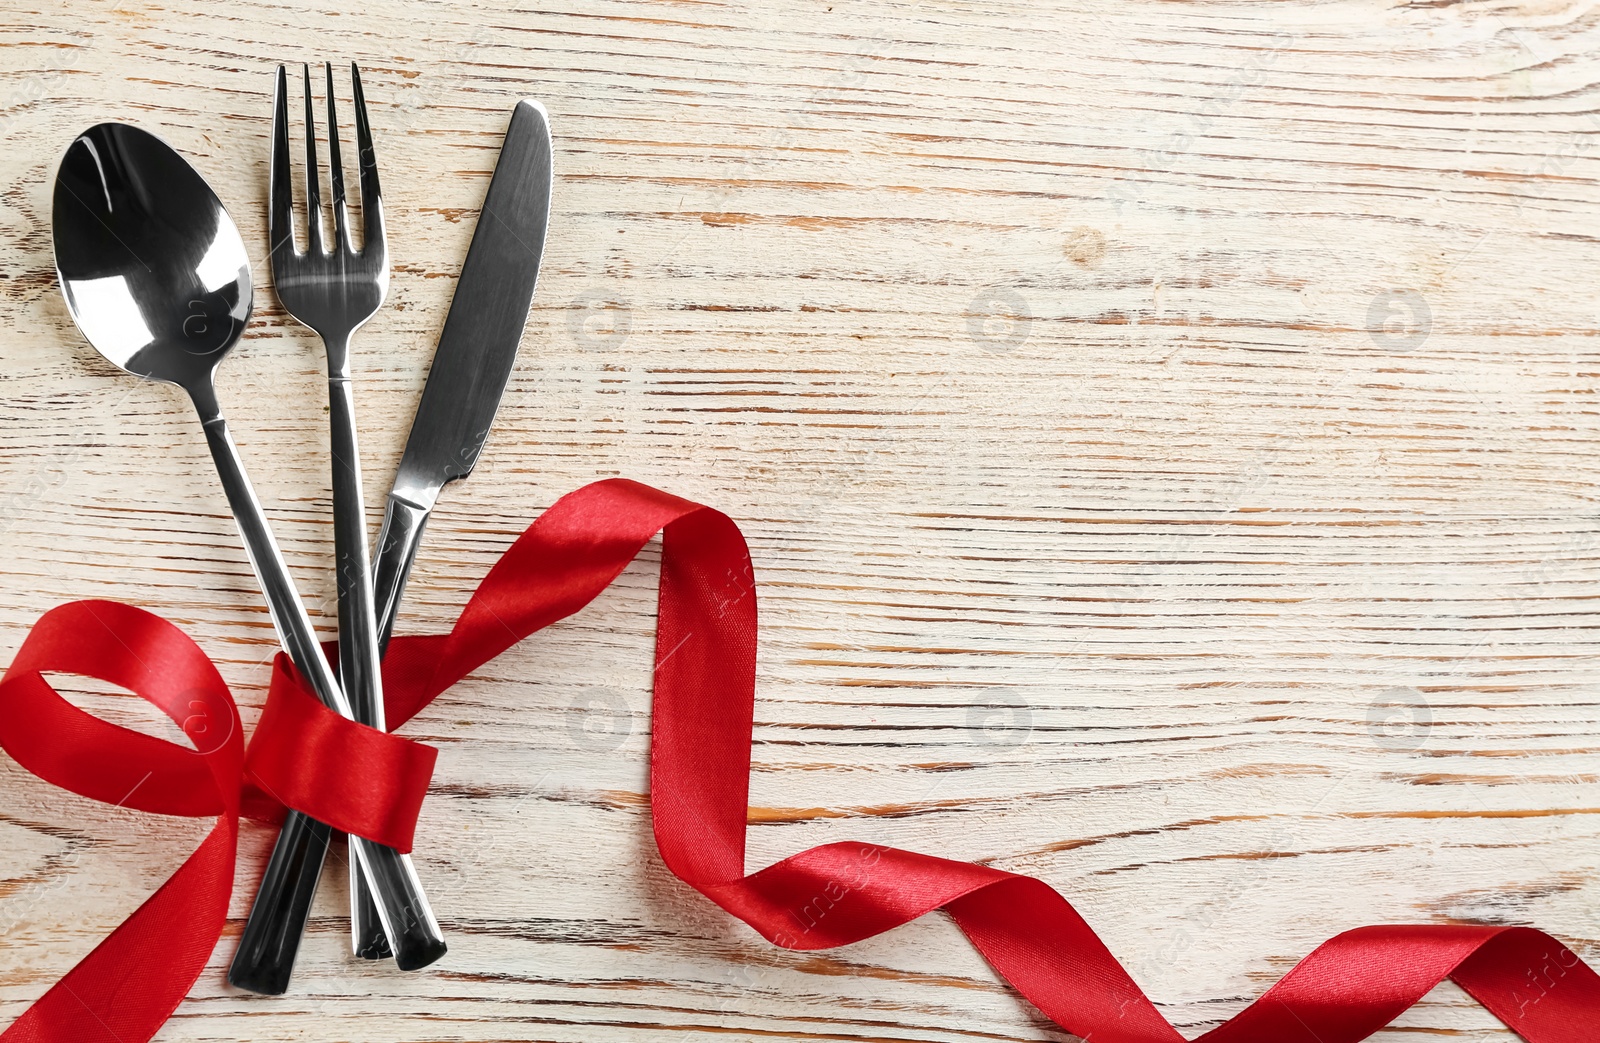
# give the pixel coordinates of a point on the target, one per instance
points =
(471, 366)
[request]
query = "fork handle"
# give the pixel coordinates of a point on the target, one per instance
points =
(358, 628)
(404, 920)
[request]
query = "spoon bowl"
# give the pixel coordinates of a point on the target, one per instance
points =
(153, 269)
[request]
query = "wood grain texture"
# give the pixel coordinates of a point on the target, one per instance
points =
(1166, 434)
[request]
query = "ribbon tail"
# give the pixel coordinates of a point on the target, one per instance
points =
(130, 984)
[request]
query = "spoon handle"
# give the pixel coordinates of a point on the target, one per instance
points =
(271, 939)
(401, 907)
(289, 617)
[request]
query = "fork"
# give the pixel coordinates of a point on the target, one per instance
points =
(334, 290)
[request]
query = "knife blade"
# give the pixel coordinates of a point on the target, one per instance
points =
(471, 366)
(477, 347)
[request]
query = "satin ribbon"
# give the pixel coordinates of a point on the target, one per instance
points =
(834, 894)
(133, 980)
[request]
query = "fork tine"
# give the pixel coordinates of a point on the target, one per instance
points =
(372, 232)
(280, 213)
(313, 191)
(336, 168)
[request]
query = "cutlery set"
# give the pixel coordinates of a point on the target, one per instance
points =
(156, 276)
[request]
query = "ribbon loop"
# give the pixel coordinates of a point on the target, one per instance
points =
(134, 979)
(78, 751)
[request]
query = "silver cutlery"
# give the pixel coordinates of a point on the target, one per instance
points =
(333, 288)
(471, 366)
(156, 277)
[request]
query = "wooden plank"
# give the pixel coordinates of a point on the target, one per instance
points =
(1164, 432)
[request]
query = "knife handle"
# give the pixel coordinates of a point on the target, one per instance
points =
(403, 522)
(398, 540)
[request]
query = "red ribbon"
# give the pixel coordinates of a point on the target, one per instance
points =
(135, 979)
(830, 895)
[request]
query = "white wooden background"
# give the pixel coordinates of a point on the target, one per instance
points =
(1166, 434)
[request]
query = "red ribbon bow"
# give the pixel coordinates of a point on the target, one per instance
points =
(126, 988)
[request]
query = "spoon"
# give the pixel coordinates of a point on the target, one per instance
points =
(157, 279)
